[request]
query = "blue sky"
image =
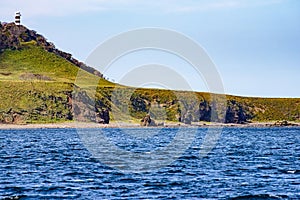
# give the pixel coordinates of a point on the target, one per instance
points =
(255, 44)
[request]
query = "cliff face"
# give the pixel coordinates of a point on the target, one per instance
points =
(13, 36)
(188, 107)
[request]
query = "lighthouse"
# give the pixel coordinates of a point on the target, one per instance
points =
(18, 18)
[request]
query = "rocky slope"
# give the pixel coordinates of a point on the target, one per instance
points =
(12, 36)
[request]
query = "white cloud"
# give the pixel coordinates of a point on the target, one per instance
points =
(34, 8)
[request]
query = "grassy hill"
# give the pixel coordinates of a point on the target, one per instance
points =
(36, 79)
(33, 63)
(37, 85)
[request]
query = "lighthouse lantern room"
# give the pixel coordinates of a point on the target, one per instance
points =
(18, 18)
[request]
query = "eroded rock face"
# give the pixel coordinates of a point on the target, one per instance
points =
(236, 113)
(205, 111)
(188, 118)
(11, 117)
(85, 109)
(12, 37)
(138, 104)
(103, 116)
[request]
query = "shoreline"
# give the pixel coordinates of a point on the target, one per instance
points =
(86, 125)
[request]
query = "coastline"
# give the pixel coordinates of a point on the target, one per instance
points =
(87, 125)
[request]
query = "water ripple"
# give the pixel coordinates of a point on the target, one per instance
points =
(249, 163)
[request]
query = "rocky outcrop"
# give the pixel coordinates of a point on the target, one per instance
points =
(147, 121)
(14, 36)
(237, 113)
(190, 109)
(205, 111)
(283, 123)
(187, 118)
(139, 104)
(86, 109)
(12, 117)
(103, 116)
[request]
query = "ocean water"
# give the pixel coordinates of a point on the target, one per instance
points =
(258, 163)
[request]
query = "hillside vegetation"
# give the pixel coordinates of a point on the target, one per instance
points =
(38, 85)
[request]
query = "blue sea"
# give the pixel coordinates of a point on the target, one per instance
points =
(242, 163)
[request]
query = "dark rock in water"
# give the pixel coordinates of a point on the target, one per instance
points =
(283, 123)
(147, 121)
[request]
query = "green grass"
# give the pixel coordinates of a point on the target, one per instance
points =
(35, 102)
(37, 85)
(40, 100)
(31, 59)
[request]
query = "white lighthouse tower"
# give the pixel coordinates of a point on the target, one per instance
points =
(18, 18)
